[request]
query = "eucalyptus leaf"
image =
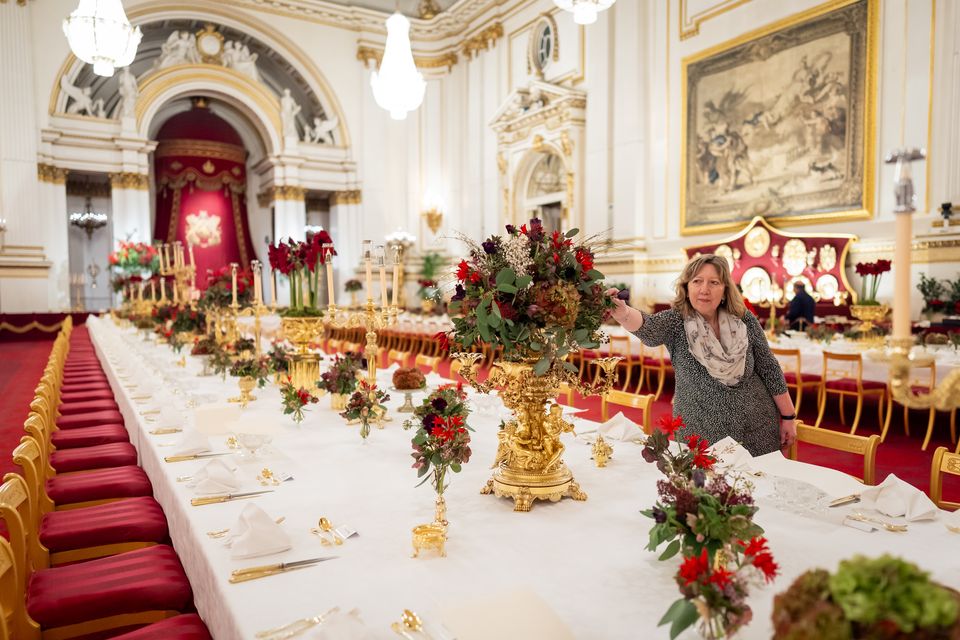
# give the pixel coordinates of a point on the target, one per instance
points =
(670, 551)
(541, 367)
(506, 288)
(572, 232)
(506, 276)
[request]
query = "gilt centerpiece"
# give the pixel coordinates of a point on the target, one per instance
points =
(536, 295)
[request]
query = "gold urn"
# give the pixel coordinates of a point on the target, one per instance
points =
(869, 315)
(304, 369)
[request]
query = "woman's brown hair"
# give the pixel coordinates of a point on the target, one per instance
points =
(732, 300)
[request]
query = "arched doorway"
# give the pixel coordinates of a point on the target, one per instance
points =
(201, 189)
(542, 191)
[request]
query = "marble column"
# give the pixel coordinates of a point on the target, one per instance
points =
(52, 197)
(289, 220)
(130, 196)
(348, 234)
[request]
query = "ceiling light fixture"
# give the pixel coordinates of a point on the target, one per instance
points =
(88, 219)
(584, 11)
(398, 87)
(100, 34)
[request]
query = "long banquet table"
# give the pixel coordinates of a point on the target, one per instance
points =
(586, 560)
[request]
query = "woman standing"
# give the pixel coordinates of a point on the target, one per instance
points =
(727, 381)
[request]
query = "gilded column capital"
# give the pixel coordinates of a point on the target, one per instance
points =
(345, 197)
(290, 192)
(482, 41)
(130, 180)
(51, 174)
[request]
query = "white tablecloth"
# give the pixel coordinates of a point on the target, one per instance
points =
(585, 559)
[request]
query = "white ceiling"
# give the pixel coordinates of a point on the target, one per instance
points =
(408, 7)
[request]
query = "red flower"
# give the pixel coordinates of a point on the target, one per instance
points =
(474, 277)
(701, 458)
(693, 567)
(585, 259)
(506, 310)
(764, 562)
(556, 258)
(443, 340)
(755, 546)
(721, 577)
(280, 258)
(523, 229)
(463, 270)
(669, 424)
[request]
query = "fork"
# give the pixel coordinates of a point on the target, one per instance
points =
(296, 627)
(897, 528)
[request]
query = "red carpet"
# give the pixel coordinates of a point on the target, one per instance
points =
(23, 364)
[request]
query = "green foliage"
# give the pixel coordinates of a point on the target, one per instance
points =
(887, 588)
(432, 264)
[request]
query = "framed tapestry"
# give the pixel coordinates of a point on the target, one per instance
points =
(780, 122)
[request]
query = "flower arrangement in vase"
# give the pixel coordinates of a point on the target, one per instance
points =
(279, 363)
(340, 379)
(295, 400)
(934, 294)
(871, 273)
(442, 440)
(134, 258)
(219, 291)
(883, 597)
(708, 519)
(533, 293)
(301, 263)
(366, 406)
(256, 368)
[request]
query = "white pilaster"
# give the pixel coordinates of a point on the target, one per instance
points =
(53, 205)
(131, 208)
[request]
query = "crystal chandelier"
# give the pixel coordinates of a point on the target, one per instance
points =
(584, 11)
(100, 34)
(88, 220)
(398, 87)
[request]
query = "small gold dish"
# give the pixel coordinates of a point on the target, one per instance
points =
(430, 536)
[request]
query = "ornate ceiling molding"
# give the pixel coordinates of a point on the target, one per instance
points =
(345, 197)
(482, 41)
(51, 174)
(127, 180)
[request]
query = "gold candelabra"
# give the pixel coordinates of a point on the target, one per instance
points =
(945, 396)
(372, 320)
(173, 263)
(255, 310)
(775, 300)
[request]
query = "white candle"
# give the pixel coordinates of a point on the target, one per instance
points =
(257, 295)
(383, 286)
(153, 290)
(273, 289)
(396, 283)
(330, 297)
(176, 293)
(903, 232)
(163, 289)
(233, 274)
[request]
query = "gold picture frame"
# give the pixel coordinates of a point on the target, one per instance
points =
(781, 122)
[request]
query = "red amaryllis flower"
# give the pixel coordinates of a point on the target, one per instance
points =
(721, 577)
(443, 340)
(585, 259)
(754, 546)
(764, 562)
(280, 258)
(701, 458)
(693, 567)
(669, 424)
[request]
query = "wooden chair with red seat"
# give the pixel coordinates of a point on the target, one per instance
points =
(859, 445)
(430, 362)
(924, 384)
(86, 598)
(77, 490)
(400, 357)
(843, 377)
(654, 360)
(944, 462)
(632, 400)
(790, 362)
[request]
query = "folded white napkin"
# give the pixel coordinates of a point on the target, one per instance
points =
(169, 417)
(620, 427)
(732, 455)
(192, 442)
(435, 379)
(952, 520)
(215, 477)
(894, 497)
(256, 534)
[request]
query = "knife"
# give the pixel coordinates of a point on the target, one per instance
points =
(246, 577)
(196, 456)
(198, 502)
(166, 430)
(850, 499)
(282, 566)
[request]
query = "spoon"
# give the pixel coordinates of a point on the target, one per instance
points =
(412, 622)
(326, 526)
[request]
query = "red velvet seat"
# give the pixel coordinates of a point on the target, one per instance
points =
(89, 436)
(82, 375)
(850, 384)
(87, 406)
(97, 385)
(132, 520)
(81, 366)
(102, 484)
(90, 419)
(148, 579)
(654, 362)
(85, 396)
(188, 626)
(103, 456)
(791, 377)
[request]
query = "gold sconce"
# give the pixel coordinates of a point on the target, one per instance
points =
(434, 218)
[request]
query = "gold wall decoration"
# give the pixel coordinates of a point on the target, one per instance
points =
(482, 41)
(210, 45)
(208, 167)
(88, 189)
(802, 88)
(374, 55)
(265, 198)
(345, 197)
(128, 180)
(51, 174)
(690, 23)
(566, 144)
(290, 192)
(201, 149)
(502, 163)
(537, 143)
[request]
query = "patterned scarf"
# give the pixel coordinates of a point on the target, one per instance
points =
(724, 359)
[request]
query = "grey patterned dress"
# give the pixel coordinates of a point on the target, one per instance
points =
(711, 409)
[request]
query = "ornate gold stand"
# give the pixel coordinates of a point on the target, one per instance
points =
(868, 315)
(304, 368)
(529, 464)
(246, 384)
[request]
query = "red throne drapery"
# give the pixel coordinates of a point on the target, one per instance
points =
(201, 190)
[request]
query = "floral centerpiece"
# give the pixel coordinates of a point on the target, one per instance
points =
(301, 263)
(366, 406)
(533, 293)
(871, 273)
(708, 519)
(278, 356)
(256, 368)
(219, 291)
(340, 379)
(883, 597)
(295, 400)
(442, 439)
(135, 258)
